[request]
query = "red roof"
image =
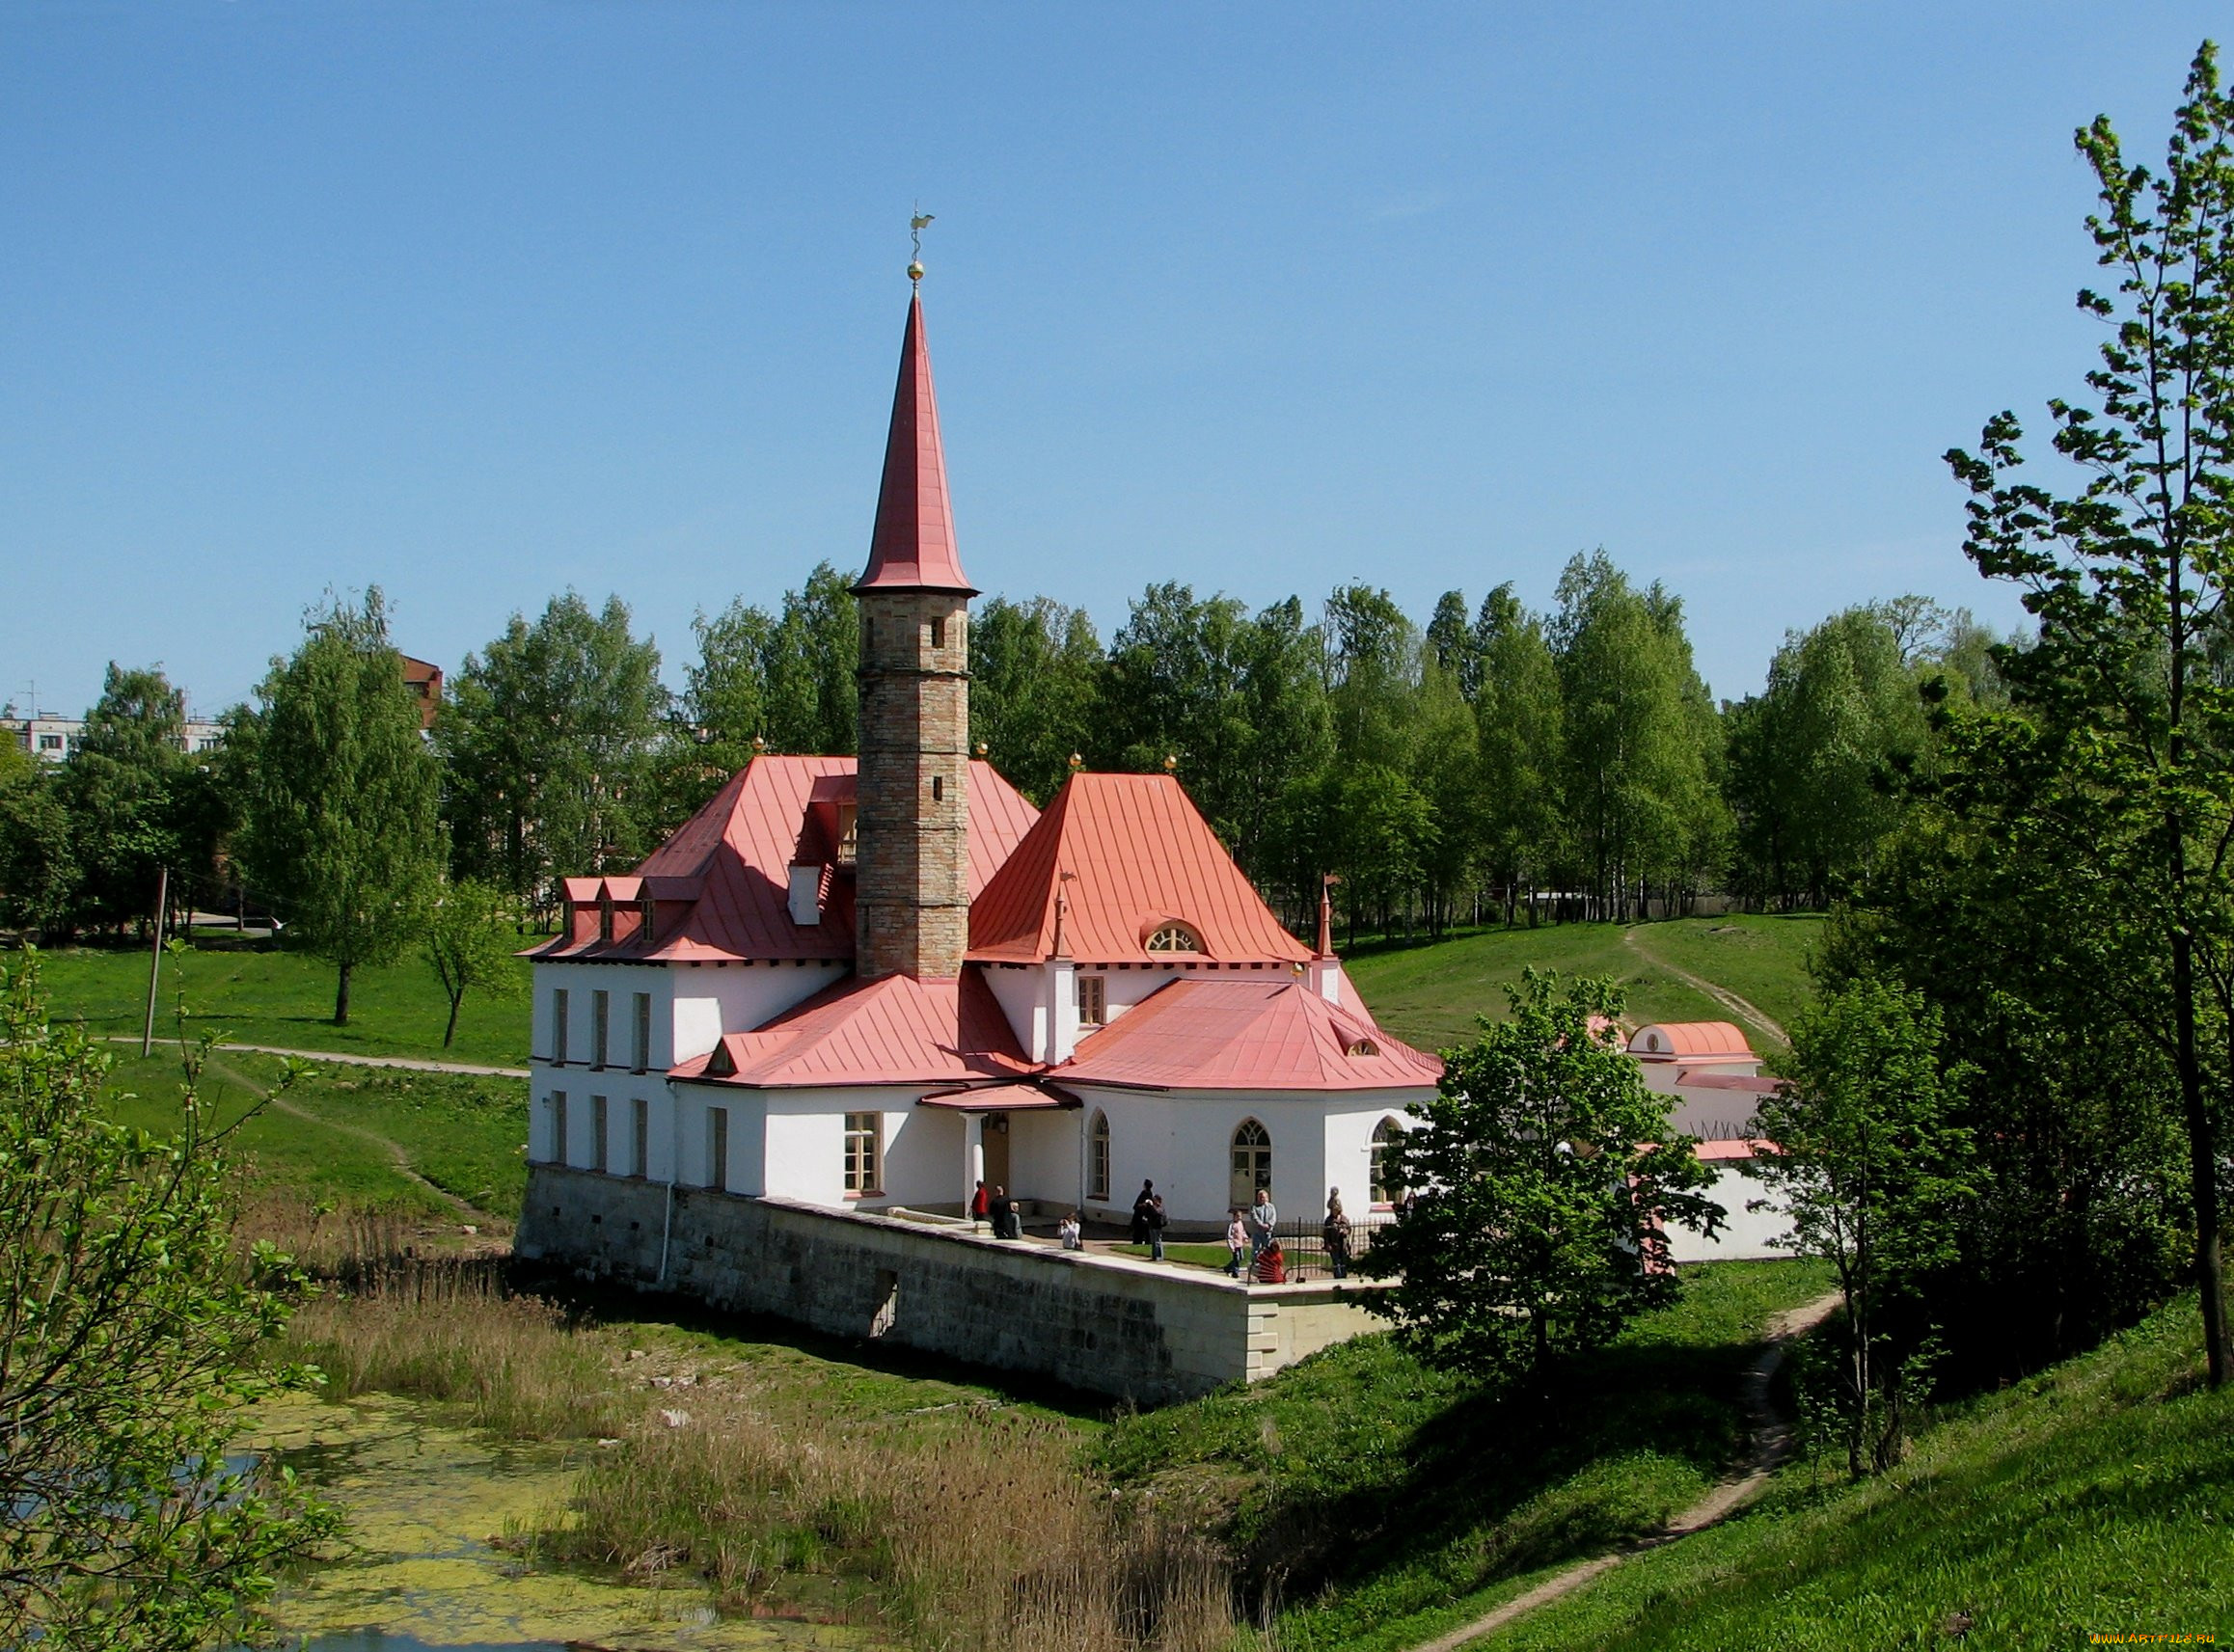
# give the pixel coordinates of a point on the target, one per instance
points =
(890, 1030)
(1691, 1041)
(913, 545)
(1142, 856)
(1247, 1035)
(732, 861)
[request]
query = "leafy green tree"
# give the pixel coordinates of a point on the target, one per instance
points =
(549, 738)
(130, 1334)
(1519, 720)
(1034, 670)
(39, 870)
(1875, 1170)
(2121, 730)
(1446, 772)
(1642, 744)
(342, 834)
(724, 709)
(469, 941)
(1454, 646)
(812, 693)
(122, 788)
(1549, 1176)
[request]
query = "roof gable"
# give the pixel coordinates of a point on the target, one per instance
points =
(1140, 855)
(1247, 1035)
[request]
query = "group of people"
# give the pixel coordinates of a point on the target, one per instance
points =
(1250, 1234)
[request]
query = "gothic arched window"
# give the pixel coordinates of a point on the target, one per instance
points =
(1097, 1157)
(1385, 1136)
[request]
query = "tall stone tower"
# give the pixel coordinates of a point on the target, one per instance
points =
(912, 856)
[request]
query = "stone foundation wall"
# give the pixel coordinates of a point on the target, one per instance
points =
(1107, 1324)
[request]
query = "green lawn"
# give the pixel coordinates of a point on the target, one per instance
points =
(286, 999)
(2095, 1498)
(1386, 1493)
(464, 1134)
(1429, 994)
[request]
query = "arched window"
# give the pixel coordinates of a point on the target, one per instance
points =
(1252, 1164)
(1174, 938)
(1385, 1136)
(1097, 1157)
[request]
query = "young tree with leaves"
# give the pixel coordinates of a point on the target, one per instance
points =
(1876, 1172)
(2120, 738)
(132, 1332)
(342, 834)
(1548, 1176)
(469, 941)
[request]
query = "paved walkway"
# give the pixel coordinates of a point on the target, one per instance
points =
(1723, 995)
(1772, 1443)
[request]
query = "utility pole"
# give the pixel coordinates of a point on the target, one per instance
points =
(155, 959)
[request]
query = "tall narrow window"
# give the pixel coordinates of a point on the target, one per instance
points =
(643, 1032)
(1382, 1175)
(718, 1148)
(558, 1026)
(864, 1153)
(600, 1027)
(1093, 1000)
(557, 1127)
(938, 788)
(938, 633)
(646, 934)
(640, 1138)
(1098, 1158)
(600, 1122)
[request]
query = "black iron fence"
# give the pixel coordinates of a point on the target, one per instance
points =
(1303, 1252)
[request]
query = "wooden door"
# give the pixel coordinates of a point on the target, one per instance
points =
(996, 1154)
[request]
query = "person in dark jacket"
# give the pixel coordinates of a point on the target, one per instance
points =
(1156, 1227)
(1002, 1211)
(1336, 1234)
(1140, 1209)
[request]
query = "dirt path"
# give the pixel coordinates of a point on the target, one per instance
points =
(1721, 995)
(414, 1064)
(393, 1149)
(1772, 1443)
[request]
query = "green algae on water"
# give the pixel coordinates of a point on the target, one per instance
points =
(430, 1507)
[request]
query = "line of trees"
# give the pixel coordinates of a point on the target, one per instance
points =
(1493, 762)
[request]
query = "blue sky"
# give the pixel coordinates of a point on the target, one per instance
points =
(480, 301)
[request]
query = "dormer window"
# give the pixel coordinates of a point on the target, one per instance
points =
(1364, 1047)
(1174, 938)
(849, 820)
(604, 916)
(646, 927)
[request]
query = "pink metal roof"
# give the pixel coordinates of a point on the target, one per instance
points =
(733, 858)
(1142, 856)
(1247, 1035)
(1693, 1041)
(891, 1030)
(912, 545)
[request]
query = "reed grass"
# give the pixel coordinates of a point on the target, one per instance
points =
(974, 1532)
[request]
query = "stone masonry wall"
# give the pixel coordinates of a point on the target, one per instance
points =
(1111, 1325)
(911, 882)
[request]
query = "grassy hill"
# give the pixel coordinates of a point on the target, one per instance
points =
(1429, 994)
(2094, 1499)
(286, 999)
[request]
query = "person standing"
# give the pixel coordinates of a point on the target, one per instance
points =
(1336, 1234)
(1237, 1240)
(1156, 1224)
(1142, 1205)
(1071, 1232)
(980, 1204)
(1263, 1217)
(1000, 1209)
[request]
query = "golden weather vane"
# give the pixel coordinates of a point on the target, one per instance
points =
(915, 236)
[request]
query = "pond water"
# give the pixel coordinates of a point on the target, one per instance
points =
(429, 1506)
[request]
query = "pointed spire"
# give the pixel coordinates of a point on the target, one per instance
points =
(912, 548)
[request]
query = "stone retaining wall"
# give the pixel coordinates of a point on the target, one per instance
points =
(1112, 1326)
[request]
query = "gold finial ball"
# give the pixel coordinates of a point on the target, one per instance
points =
(914, 269)
(1078, 762)
(760, 743)
(1170, 765)
(983, 749)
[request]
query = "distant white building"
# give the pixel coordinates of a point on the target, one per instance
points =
(1718, 1086)
(52, 739)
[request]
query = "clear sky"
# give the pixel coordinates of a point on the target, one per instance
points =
(482, 301)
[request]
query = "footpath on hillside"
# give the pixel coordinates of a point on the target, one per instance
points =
(1723, 995)
(1771, 1433)
(414, 1064)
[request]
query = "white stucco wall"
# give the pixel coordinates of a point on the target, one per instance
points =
(711, 999)
(1746, 1234)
